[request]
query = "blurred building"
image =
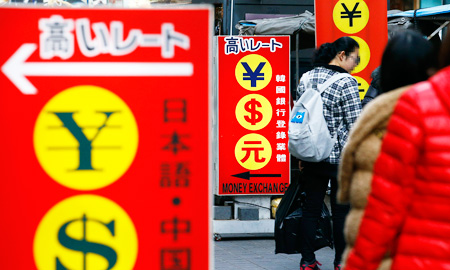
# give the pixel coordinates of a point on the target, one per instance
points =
(415, 4)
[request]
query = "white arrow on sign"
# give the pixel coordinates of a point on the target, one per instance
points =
(16, 69)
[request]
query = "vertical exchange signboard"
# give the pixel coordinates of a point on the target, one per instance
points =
(364, 21)
(105, 157)
(253, 114)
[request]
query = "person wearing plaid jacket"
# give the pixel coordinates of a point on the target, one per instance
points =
(342, 106)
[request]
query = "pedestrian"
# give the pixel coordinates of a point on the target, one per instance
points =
(417, 58)
(374, 88)
(406, 215)
(342, 106)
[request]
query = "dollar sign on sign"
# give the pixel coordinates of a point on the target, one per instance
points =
(85, 246)
(255, 115)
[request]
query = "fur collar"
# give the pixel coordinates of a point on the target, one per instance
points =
(371, 120)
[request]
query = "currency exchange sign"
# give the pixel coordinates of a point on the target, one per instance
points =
(363, 20)
(254, 96)
(105, 157)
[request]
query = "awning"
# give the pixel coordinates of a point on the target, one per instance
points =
(434, 13)
(303, 22)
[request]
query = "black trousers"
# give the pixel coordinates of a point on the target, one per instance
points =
(315, 180)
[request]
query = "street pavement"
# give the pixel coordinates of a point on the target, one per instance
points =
(258, 254)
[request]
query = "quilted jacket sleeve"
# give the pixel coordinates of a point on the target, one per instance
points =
(393, 177)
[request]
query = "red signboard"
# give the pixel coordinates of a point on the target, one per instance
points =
(365, 21)
(253, 114)
(105, 159)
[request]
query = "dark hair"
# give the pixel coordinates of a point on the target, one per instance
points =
(407, 59)
(444, 54)
(328, 51)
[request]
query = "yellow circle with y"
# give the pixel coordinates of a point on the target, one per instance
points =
(85, 232)
(253, 112)
(364, 54)
(351, 16)
(253, 72)
(253, 151)
(363, 86)
(85, 138)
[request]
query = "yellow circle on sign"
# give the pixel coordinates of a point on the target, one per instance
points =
(253, 112)
(253, 72)
(253, 151)
(350, 16)
(85, 138)
(363, 86)
(86, 232)
(364, 54)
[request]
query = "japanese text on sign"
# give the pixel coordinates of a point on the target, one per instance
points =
(106, 133)
(57, 39)
(236, 45)
(261, 112)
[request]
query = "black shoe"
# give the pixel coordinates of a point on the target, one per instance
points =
(304, 265)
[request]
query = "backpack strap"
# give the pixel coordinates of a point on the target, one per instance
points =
(305, 79)
(332, 80)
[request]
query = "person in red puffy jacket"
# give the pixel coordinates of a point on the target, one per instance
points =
(407, 213)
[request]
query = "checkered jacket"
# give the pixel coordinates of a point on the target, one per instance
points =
(341, 103)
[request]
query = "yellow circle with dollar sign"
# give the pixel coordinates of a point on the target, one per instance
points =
(253, 112)
(85, 232)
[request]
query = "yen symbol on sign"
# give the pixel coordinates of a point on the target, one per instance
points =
(350, 15)
(253, 76)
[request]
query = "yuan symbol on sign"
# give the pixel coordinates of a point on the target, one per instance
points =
(248, 150)
(253, 76)
(350, 15)
(255, 115)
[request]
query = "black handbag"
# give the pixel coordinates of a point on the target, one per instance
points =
(288, 219)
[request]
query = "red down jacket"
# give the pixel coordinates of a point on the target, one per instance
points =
(408, 211)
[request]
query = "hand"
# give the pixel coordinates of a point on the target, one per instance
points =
(300, 165)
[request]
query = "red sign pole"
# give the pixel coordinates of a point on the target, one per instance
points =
(253, 114)
(365, 21)
(106, 156)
